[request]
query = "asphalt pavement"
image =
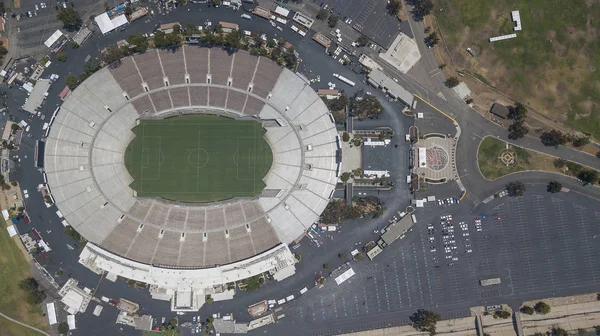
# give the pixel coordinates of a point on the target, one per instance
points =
(404, 277)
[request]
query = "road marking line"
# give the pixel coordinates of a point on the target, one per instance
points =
(435, 108)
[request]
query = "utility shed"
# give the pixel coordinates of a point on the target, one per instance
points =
(500, 110)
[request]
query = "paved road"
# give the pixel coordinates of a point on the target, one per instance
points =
(24, 325)
(315, 62)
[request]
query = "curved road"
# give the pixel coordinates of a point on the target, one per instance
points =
(24, 325)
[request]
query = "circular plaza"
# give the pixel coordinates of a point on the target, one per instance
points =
(140, 163)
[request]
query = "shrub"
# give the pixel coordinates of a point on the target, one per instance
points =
(326, 266)
(345, 137)
(527, 310)
(542, 308)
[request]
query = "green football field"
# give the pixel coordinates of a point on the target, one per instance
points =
(198, 158)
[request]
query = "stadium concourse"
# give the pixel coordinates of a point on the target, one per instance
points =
(185, 251)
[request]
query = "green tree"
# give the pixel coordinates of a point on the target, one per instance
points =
(425, 320)
(556, 331)
(394, 6)
(365, 106)
(451, 82)
(542, 308)
(345, 177)
(433, 38)
(559, 163)
(362, 40)
(341, 255)
(515, 188)
(588, 176)
(72, 81)
(70, 18)
(597, 330)
(581, 141)
(61, 57)
(323, 14)
(502, 314)
(191, 29)
(139, 42)
(128, 9)
(553, 138)
(527, 310)
(298, 256)
(326, 266)
(112, 54)
(518, 112)
(332, 21)
(421, 8)
(63, 328)
(74, 45)
(345, 137)
(91, 66)
(3, 51)
(554, 187)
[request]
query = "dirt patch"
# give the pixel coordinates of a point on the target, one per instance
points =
(17, 3)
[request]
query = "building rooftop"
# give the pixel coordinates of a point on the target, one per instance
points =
(403, 54)
(37, 95)
(395, 230)
(500, 110)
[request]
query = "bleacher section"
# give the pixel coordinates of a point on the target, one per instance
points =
(86, 145)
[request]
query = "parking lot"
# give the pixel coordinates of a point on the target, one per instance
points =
(33, 31)
(540, 245)
(370, 16)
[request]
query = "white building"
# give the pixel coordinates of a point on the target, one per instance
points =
(187, 288)
(75, 299)
(106, 24)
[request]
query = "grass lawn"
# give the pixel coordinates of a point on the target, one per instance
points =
(552, 64)
(14, 268)
(492, 168)
(198, 158)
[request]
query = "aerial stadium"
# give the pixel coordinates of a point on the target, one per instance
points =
(190, 169)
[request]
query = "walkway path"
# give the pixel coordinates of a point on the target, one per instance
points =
(24, 325)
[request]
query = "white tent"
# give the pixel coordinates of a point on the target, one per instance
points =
(344, 276)
(106, 24)
(52, 39)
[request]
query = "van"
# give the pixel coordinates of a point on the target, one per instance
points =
(246, 16)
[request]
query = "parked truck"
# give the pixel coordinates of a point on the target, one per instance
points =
(344, 79)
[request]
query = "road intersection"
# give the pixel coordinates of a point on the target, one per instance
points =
(406, 277)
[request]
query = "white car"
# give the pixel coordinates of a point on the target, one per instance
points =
(289, 298)
(279, 28)
(194, 318)
(36, 7)
(272, 23)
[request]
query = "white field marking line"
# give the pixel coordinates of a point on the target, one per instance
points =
(142, 167)
(197, 167)
(159, 151)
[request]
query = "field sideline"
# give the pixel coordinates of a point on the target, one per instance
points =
(198, 158)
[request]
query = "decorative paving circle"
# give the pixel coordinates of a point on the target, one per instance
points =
(508, 157)
(437, 158)
(198, 158)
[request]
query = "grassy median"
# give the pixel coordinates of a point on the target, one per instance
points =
(14, 268)
(491, 151)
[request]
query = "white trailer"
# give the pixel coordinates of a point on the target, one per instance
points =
(344, 79)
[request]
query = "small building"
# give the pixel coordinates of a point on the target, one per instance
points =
(403, 54)
(303, 20)
(168, 28)
(380, 80)
(322, 40)
(262, 12)
(37, 96)
(374, 252)
(139, 13)
(75, 299)
(397, 229)
(51, 313)
(500, 110)
(328, 94)
(83, 34)
(71, 322)
(108, 24)
(127, 306)
(223, 326)
(516, 17)
(56, 40)
(282, 11)
(258, 309)
(228, 27)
